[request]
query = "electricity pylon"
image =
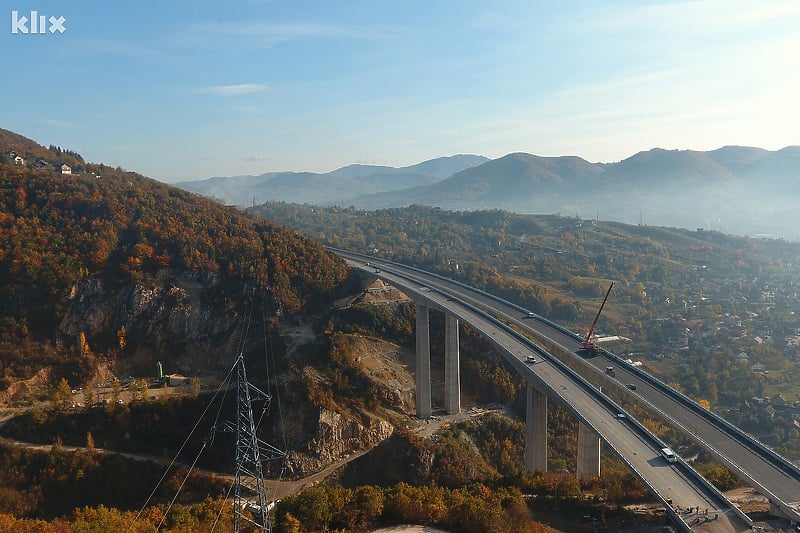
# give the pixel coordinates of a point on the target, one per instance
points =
(250, 495)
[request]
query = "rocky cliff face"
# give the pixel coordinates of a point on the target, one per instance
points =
(338, 435)
(179, 319)
(189, 323)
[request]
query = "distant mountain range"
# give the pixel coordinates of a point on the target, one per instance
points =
(331, 187)
(734, 189)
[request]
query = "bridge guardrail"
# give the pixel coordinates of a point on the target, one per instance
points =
(742, 437)
(729, 428)
(696, 408)
(685, 400)
(709, 415)
(612, 406)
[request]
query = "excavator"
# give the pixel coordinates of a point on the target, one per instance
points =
(588, 344)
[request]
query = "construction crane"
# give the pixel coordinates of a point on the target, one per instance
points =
(587, 342)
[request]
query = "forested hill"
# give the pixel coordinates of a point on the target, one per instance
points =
(92, 235)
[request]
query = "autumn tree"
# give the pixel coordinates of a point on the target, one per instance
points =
(61, 395)
(116, 393)
(83, 345)
(88, 394)
(196, 386)
(139, 389)
(121, 338)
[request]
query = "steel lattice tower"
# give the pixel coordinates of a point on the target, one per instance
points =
(250, 495)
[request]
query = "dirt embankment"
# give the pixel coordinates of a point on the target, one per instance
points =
(378, 293)
(24, 388)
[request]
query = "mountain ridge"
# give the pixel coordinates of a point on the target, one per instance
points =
(737, 189)
(328, 187)
(742, 190)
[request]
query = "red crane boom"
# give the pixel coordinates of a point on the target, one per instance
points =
(587, 342)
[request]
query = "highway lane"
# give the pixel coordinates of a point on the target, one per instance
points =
(671, 482)
(738, 455)
(735, 450)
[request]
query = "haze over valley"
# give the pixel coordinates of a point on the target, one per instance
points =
(734, 189)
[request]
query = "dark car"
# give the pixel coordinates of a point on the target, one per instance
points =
(631, 386)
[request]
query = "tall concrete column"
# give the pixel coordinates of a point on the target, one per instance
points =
(423, 374)
(452, 381)
(536, 430)
(588, 452)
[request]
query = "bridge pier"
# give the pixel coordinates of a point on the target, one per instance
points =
(423, 371)
(588, 452)
(452, 381)
(536, 430)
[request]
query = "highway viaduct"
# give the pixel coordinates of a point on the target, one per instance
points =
(549, 378)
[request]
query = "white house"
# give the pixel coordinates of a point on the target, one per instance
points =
(64, 168)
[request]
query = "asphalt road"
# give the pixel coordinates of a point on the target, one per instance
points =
(642, 454)
(771, 478)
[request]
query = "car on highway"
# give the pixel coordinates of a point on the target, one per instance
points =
(631, 386)
(530, 359)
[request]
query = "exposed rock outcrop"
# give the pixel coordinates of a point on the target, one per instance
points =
(338, 435)
(170, 318)
(188, 321)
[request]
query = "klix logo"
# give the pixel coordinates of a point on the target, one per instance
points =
(36, 24)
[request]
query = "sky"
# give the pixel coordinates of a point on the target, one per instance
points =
(181, 90)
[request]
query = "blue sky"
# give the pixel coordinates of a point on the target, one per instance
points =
(186, 90)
